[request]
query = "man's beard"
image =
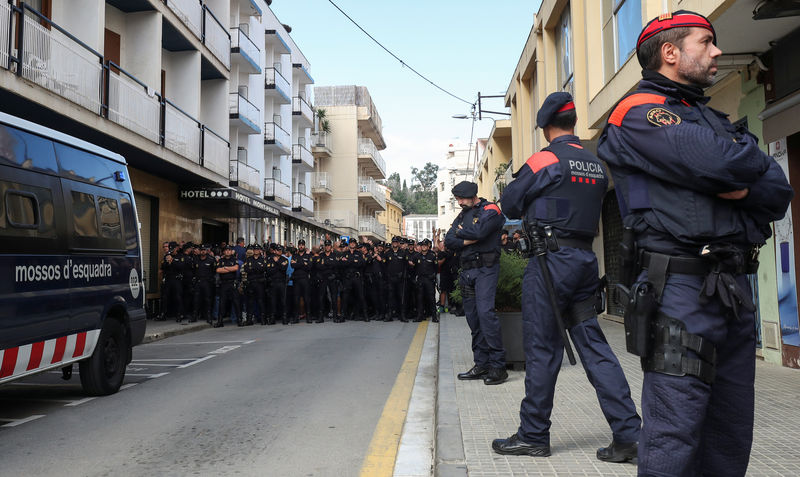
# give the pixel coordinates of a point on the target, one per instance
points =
(695, 73)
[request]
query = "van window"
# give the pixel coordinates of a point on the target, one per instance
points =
(26, 150)
(26, 211)
(85, 166)
(84, 215)
(110, 226)
(131, 225)
(22, 209)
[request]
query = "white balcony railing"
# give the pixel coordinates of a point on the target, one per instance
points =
(217, 38)
(301, 155)
(240, 40)
(321, 139)
(321, 183)
(216, 152)
(181, 133)
(244, 176)
(367, 148)
(238, 104)
(337, 218)
(58, 63)
(5, 24)
(277, 189)
(302, 201)
(190, 12)
(274, 79)
(301, 107)
(130, 105)
(367, 185)
(370, 225)
(273, 132)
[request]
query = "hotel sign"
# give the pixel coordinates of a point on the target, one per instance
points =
(224, 194)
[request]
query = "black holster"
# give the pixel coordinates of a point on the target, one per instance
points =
(639, 314)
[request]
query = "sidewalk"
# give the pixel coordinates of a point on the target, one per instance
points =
(158, 330)
(483, 413)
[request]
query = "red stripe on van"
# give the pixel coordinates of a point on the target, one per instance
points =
(58, 353)
(37, 350)
(80, 343)
(9, 362)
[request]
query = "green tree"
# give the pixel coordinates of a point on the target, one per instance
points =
(425, 177)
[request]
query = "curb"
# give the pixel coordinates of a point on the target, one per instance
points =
(449, 458)
(151, 336)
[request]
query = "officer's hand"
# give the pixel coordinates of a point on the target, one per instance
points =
(469, 242)
(460, 226)
(734, 195)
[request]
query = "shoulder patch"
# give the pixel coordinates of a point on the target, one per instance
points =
(493, 207)
(633, 100)
(663, 117)
(540, 160)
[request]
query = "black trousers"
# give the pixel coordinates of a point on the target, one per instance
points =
(172, 297)
(374, 290)
(395, 293)
(203, 299)
(353, 296)
(256, 300)
(229, 297)
(277, 302)
(328, 294)
(302, 289)
(188, 296)
(426, 297)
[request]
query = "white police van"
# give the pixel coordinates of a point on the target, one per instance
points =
(70, 261)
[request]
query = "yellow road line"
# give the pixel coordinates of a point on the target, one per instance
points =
(382, 450)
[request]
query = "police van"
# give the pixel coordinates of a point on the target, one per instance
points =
(70, 261)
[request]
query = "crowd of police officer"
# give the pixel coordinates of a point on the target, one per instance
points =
(341, 280)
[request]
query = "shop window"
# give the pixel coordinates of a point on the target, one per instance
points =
(622, 22)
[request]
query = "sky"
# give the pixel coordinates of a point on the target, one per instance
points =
(464, 46)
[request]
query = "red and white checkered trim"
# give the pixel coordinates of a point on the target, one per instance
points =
(36, 357)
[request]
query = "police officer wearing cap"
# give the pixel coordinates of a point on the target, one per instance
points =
(172, 289)
(352, 267)
(301, 278)
(697, 196)
(396, 261)
(254, 276)
(425, 265)
(187, 265)
(227, 269)
(276, 289)
(373, 281)
(326, 266)
(475, 234)
(558, 193)
(204, 272)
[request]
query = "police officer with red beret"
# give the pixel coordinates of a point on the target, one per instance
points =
(697, 196)
(558, 192)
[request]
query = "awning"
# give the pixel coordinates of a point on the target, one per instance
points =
(227, 202)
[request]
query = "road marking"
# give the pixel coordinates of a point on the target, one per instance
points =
(37, 384)
(127, 386)
(196, 361)
(225, 349)
(79, 402)
(17, 422)
(162, 364)
(201, 343)
(382, 450)
(249, 341)
(139, 361)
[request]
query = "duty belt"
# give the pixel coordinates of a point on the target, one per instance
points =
(680, 265)
(574, 243)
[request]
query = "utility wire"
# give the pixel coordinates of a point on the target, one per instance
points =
(398, 59)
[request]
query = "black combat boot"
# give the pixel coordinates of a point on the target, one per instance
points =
(496, 376)
(477, 372)
(514, 446)
(618, 452)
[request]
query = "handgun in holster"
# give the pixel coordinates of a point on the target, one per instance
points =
(640, 312)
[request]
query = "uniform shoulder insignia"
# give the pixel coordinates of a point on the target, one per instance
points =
(662, 117)
(493, 207)
(631, 101)
(540, 160)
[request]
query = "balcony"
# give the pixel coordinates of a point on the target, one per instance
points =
(278, 192)
(242, 175)
(217, 39)
(301, 155)
(343, 220)
(131, 106)
(370, 159)
(243, 113)
(216, 152)
(321, 184)
(303, 204)
(181, 133)
(370, 227)
(276, 86)
(321, 144)
(244, 52)
(275, 39)
(368, 119)
(304, 77)
(302, 110)
(276, 138)
(369, 191)
(249, 7)
(191, 14)
(55, 60)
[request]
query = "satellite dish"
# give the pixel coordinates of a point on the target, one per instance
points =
(327, 221)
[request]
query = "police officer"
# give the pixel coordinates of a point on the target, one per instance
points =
(187, 265)
(697, 196)
(227, 268)
(373, 281)
(475, 234)
(396, 268)
(301, 262)
(254, 277)
(326, 266)
(352, 266)
(425, 265)
(566, 174)
(276, 277)
(172, 291)
(204, 273)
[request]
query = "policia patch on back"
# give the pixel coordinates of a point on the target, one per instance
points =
(662, 117)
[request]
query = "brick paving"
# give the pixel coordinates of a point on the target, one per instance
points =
(578, 429)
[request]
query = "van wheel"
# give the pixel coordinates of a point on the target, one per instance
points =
(103, 372)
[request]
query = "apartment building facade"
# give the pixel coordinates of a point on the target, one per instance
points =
(587, 48)
(493, 172)
(178, 88)
(457, 165)
(346, 193)
(420, 226)
(392, 217)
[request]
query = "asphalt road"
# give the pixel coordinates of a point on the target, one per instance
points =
(300, 400)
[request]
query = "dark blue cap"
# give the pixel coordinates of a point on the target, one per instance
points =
(555, 103)
(465, 189)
